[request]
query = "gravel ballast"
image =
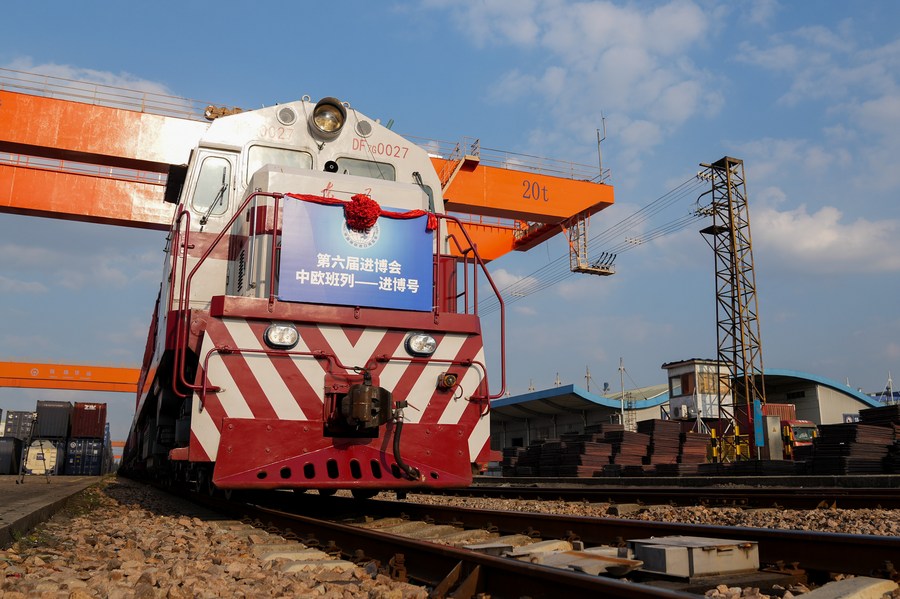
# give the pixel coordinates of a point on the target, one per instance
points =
(123, 540)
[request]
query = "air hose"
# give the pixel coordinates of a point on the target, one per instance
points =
(411, 473)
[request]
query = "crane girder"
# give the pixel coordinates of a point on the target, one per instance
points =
(78, 377)
(74, 160)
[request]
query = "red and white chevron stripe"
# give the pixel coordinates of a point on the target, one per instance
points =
(260, 386)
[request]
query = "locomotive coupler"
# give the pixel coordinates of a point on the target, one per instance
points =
(356, 409)
(366, 406)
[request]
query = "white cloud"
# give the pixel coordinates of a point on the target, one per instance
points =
(626, 60)
(8, 285)
(771, 156)
(524, 310)
(880, 114)
(78, 74)
(761, 12)
(486, 22)
(819, 242)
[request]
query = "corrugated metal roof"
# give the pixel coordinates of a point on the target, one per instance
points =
(574, 399)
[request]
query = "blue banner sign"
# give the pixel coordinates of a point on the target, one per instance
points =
(325, 262)
(759, 434)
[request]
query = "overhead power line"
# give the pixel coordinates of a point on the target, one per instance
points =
(614, 240)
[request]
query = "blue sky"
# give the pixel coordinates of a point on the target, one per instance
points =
(806, 93)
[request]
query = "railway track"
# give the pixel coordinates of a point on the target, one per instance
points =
(802, 498)
(352, 528)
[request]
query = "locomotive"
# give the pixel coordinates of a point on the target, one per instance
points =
(315, 325)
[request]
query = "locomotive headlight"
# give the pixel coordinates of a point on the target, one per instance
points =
(282, 336)
(328, 118)
(420, 344)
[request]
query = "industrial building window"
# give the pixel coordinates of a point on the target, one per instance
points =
(796, 394)
(518, 442)
(708, 383)
(675, 386)
(687, 383)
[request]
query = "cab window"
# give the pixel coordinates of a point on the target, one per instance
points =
(213, 186)
(366, 168)
(257, 156)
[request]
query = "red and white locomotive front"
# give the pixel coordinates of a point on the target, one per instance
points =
(311, 332)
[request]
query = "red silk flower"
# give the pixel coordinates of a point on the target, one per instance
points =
(361, 212)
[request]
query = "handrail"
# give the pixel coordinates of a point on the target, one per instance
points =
(481, 264)
(183, 217)
(185, 285)
(185, 279)
(99, 94)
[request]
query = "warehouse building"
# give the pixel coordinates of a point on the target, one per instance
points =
(520, 420)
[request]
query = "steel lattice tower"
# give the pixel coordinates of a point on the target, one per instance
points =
(737, 308)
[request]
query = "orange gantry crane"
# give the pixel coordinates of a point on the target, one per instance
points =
(97, 153)
(68, 376)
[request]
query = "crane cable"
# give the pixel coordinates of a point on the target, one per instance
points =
(558, 270)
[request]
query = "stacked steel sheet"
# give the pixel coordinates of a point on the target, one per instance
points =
(584, 458)
(664, 440)
(510, 461)
(602, 428)
(851, 449)
(693, 448)
(714, 469)
(888, 417)
(763, 468)
(528, 461)
(628, 448)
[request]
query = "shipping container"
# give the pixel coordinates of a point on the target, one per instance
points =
(84, 457)
(10, 455)
(18, 424)
(88, 420)
(45, 456)
(784, 411)
(53, 419)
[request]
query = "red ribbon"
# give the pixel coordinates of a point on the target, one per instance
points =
(361, 211)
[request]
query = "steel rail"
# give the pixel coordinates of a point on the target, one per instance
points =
(441, 567)
(816, 551)
(782, 497)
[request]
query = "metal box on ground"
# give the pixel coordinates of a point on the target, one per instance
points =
(18, 424)
(690, 557)
(53, 419)
(45, 456)
(88, 420)
(84, 457)
(10, 455)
